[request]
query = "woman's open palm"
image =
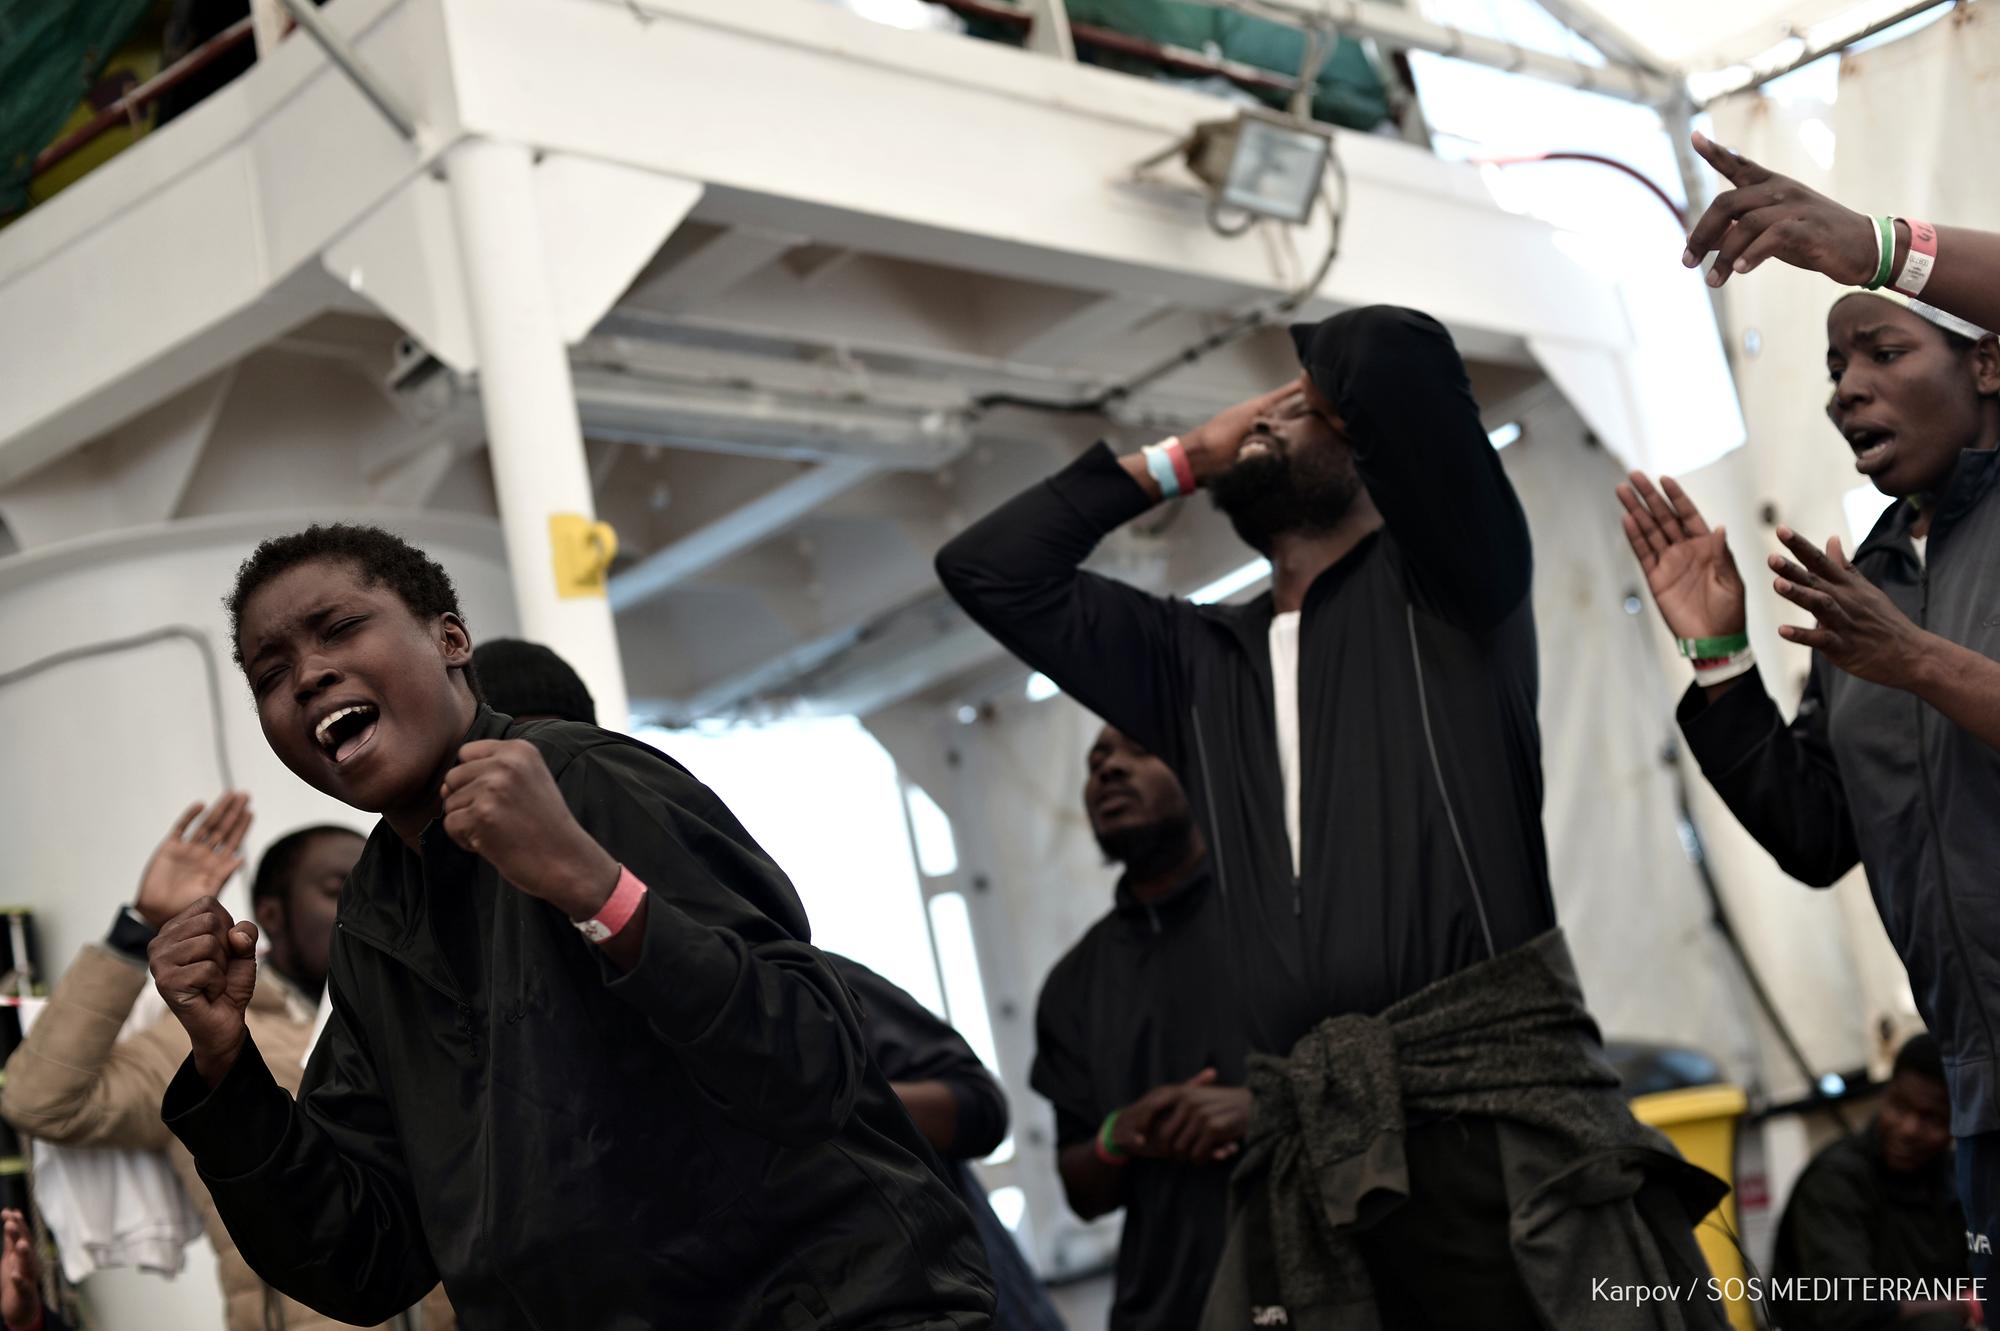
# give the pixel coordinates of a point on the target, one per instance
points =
(1688, 567)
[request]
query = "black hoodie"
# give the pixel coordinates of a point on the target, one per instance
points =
(1421, 784)
(1138, 1003)
(700, 1143)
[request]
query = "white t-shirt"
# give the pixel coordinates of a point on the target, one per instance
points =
(1920, 542)
(1285, 696)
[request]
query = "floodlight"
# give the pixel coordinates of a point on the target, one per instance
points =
(1261, 162)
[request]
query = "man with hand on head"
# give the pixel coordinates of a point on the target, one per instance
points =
(72, 1081)
(1360, 746)
(1138, 1049)
(582, 1059)
(1892, 759)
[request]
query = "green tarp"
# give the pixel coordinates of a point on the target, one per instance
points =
(51, 53)
(1350, 91)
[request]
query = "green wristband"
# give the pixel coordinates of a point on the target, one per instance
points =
(1712, 649)
(1106, 1149)
(1885, 241)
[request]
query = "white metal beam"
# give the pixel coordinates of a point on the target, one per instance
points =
(716, 265)
(536, 449)
(1097, 321)
(242, 192)
(736, 531)
(603, 222)
(1584, 19)
(136, 476)
(1026, 169)
(1048, 30)
(268, 24)
(637, 411)
(1026, 161)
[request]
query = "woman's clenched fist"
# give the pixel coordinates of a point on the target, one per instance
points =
(204, 964)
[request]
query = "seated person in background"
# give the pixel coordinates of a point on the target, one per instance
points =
(74, 1082)
(21, 1306)
(950, 1096)
(1881, 1203)
(1132, 1033)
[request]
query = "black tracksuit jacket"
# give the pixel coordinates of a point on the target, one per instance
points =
(1420, 640)
(1872, 774)
(700, 1143)
(1136, 1004)
(908, 1042)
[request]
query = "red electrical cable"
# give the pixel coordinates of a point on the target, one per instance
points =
(1598, 158)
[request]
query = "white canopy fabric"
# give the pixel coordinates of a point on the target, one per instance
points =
(1699, 35)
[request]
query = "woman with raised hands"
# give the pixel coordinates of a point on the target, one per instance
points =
(1893, 757)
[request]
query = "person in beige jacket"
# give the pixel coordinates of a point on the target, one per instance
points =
(74, 1082)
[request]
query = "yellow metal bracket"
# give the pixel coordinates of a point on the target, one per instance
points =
(582, 551)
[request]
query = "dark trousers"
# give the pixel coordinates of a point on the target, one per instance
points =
(1442, 1258)
(1979, 1194)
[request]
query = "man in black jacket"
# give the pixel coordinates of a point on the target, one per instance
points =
(962, 1113)
(1360, 743)
(582, 1060)
(1881, 1206)
(951, 1097)
(1137, 1049)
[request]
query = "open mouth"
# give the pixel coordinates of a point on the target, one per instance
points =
(1872, 448)
(346, 731)
(1257, 445)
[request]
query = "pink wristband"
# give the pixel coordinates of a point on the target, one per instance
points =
(1917, 264)
(616, 913)
(1183, 469)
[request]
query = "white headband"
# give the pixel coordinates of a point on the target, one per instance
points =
(1951, 323)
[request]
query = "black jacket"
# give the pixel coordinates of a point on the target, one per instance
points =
(1588, 1196)
(1870, 773)
(1418, 678)
(1137, 1003)
(1850, 1216)
(908, 1042)
(699, 1143)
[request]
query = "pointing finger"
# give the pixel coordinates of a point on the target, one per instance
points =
(1730, 164)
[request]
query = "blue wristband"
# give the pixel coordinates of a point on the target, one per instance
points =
(1161, 468)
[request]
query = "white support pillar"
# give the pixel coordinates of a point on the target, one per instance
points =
(268, 23)
(532, 434)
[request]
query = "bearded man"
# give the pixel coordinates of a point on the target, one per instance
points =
(1360, 745)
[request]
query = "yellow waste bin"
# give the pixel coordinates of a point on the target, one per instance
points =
(1701, 1121)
